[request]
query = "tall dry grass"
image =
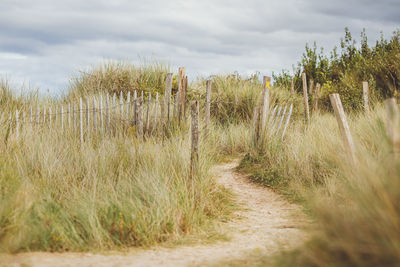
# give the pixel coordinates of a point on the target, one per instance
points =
(110, 192)
(355, 207)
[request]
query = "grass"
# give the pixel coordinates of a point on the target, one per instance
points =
(355, 207)
(114, 192)
(58, 195)
(111, 192)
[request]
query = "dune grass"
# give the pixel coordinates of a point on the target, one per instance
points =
(355, 207)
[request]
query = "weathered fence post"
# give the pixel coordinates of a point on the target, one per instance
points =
(311, 89)
(194, 158)
(393, 124)
(343, 125)
(182, 95)
(139, 121)
(134, 107)
(167, 94)
(148, 113)
(155, 113)
(365, 96)
(265, 104)
(306, 107)
(292, 86)
(316, 97)
(208, 107)
(185, 104)
(256, 124)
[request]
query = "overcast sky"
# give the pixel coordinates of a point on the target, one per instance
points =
(43, 43)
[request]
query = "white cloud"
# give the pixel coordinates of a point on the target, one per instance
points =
(44, 42)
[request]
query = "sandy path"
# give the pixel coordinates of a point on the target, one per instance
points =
(267, 222)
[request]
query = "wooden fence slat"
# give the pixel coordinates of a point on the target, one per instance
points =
(44, 115)
(287, 120)
(87, 117)
(281, 120)
(265, 103)
(139, 122)
(208, 107)
(185, 99)
(148, 113)
(134, 106)
(31, 115)
(305, 95)
(112, 111)
(278, 113)
(311, 89)
(194, 158)
(316, 97)
(272, 115)
(365, 96)
(256, 124)
(121, 106)
(108, 112)
(292, 86)
(181, 90)
(167, 94)
(343, 125)
(101, 113)
(155, 113)
(128, 102)
(176, 104)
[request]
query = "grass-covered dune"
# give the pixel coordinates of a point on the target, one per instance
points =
(113, 191)
(354, 206)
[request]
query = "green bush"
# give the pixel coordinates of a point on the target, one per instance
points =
(344, 73)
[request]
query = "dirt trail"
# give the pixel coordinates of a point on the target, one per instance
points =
(267, 223)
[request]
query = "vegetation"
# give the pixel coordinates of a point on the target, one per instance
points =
(110, 192)
(114, 77)
(344, 70)
(114, 192)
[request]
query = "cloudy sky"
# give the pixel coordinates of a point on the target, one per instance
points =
(43, 43)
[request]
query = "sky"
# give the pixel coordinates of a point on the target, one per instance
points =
(44, 43)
